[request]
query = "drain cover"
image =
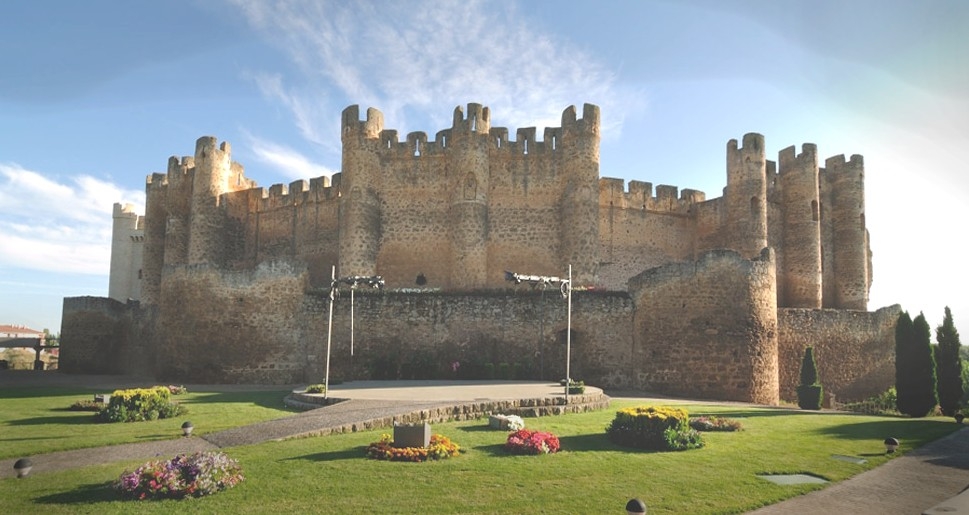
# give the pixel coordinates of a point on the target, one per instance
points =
(849, 459)
(792, 479)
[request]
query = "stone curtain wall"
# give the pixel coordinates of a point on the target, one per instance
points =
(855, 350)
(708, 328)
(232, 327)
(98, 331)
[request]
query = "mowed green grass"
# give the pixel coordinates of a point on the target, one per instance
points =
(590, 475)
(37, 420)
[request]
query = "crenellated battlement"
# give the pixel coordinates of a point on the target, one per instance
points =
(295, 193)
(837, 163)
(475, 123)
(639, 196)
(790, 161)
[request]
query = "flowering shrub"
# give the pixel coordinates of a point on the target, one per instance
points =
(316, 388)
(86, 406)
(177, 390)
(656, 428)
(440, 448)
(712, 423)
(509, 422)
(139, 404)
(525, 441)
(185, 475)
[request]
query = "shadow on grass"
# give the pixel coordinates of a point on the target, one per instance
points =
(355, 453)
(904, 428)
(266, 399)
(66, 420)
(85, 494)
(480, 429)
(28, 392)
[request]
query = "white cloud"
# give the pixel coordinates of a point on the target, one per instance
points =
(289, 162)
(51, 226)
(402, 57)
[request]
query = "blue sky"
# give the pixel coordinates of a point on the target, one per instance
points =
(96, 95)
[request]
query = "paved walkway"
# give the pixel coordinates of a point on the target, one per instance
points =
(906, 485)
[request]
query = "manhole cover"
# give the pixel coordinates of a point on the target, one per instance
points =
(792, 479)
(849, 459)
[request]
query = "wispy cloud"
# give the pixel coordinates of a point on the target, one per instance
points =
(289, 162)
(49, 225)
(426, 60)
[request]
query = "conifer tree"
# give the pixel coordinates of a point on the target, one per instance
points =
(948, 365)
(809, 392)
(914, 366)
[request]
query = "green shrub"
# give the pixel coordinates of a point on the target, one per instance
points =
(316, 388)
(915, 378)
(576, 387)
(488, 371)
(654, 428)
(504, 371)
(882, 404)
(86, 406)
(138, 404)
(809, 392)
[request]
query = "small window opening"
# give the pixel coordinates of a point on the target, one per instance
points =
(526, 147)
(421, 280)
(814, 211)
(417, 148)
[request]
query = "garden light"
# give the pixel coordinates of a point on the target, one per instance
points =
(891, 444)
(23, 466)
(635, 507)
(187, 428)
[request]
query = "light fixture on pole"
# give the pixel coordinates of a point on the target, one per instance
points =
(566, 287)
(374, 281)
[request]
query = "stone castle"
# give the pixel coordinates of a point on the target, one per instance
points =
(223, 281)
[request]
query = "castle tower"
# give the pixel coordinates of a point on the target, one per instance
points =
(127, 243)
(153, 257)
(469, 196)
(746, 195)
(213, 167)
(846, 189)
(579, 162)
(800, 206)
(359, 185)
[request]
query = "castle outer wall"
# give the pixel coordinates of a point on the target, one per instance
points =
(231, 277)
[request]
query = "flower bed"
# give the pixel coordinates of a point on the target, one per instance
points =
(185, 475)
(139, 404)
(712, 423)
(656, 428)
(507, 422)
(525, 441)
(440, 448)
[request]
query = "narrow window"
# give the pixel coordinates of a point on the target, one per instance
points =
(474, 123)
(814, 211)
(553, 142)
(754, 206)
(526, 147)
(417, 148)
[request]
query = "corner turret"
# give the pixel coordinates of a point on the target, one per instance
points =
(799, 284)
(844, 189)
(746, 195)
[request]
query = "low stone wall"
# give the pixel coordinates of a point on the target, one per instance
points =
(536, 407)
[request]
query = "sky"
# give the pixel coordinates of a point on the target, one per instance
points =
(96, 95)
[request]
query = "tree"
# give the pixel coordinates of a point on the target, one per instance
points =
(914, 366)
(948, 365)
(809, 392)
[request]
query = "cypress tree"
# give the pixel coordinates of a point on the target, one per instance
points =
(914, 366)
(809, 392)
(904, 342)
(948, 365)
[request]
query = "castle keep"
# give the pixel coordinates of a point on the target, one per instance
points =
(224, 281)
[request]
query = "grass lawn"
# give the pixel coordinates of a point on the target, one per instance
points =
(37, 420)
(590, 475)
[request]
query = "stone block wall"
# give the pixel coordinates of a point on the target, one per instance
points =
(854, 350)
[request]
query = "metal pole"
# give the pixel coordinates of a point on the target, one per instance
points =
(568, 338)
(354, 287)
(329, 333)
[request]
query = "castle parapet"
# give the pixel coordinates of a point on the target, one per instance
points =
(668, 199)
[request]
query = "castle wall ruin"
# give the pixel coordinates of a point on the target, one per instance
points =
(687, 295)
